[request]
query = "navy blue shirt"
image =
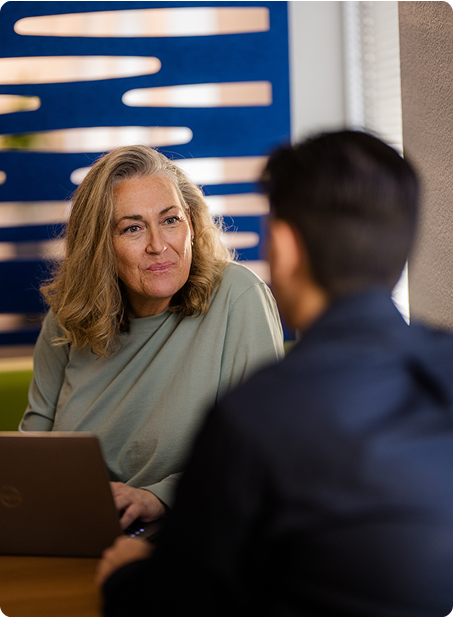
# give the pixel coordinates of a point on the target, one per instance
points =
(323, 486)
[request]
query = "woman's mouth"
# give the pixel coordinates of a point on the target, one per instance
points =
(161, 267)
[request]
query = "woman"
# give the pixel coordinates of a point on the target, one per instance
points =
(150, 322)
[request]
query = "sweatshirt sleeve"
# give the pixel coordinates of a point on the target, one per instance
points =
(49, 362)
(165, 489)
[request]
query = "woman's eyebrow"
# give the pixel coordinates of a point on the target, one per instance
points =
(139, 217)
(129, 217)
(165, 210)
(134, 217)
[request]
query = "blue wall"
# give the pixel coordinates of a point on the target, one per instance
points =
(217, 132)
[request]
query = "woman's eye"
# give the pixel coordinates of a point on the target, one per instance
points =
(172, 220)
(132, 229)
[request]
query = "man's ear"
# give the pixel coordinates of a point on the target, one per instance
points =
(301, 300)
(286, 250)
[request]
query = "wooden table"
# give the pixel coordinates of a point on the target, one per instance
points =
(48, 587)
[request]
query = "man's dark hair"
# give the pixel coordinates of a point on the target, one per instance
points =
(353, 200)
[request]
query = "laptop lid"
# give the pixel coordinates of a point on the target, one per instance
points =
(55, 497)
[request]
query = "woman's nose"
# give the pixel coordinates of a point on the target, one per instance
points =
(156, 244)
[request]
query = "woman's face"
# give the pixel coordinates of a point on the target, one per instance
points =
(152, 241)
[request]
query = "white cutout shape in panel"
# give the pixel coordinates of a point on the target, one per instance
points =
(246, 204)
(17, 213)
(208, 170)
(10, 103)
(240, 94)
(185, 21)
(96, 139)
(49, 70)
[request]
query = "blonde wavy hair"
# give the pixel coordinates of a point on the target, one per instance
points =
(84, 291)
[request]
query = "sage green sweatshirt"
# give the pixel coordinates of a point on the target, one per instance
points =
(146, 401)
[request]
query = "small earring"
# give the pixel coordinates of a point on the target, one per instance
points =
(192, 240)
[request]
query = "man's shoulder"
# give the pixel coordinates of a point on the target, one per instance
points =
(342, 383)
(264, 390)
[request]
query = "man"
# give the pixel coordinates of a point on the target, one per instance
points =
(323, 486)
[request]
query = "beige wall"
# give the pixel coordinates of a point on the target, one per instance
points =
(426, 37)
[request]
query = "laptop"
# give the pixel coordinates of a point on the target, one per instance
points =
(55, 497)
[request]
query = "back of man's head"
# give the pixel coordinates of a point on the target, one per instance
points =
(353, 200)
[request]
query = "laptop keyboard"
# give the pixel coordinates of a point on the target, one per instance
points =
(148, 531)
(135, 529)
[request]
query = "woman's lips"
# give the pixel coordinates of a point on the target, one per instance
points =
(161, 267)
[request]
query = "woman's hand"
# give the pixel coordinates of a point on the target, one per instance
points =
(136, 503)
(123, 551)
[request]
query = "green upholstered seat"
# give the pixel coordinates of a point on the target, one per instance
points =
(13, 397)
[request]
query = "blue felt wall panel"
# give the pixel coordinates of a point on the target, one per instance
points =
(217, 132)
